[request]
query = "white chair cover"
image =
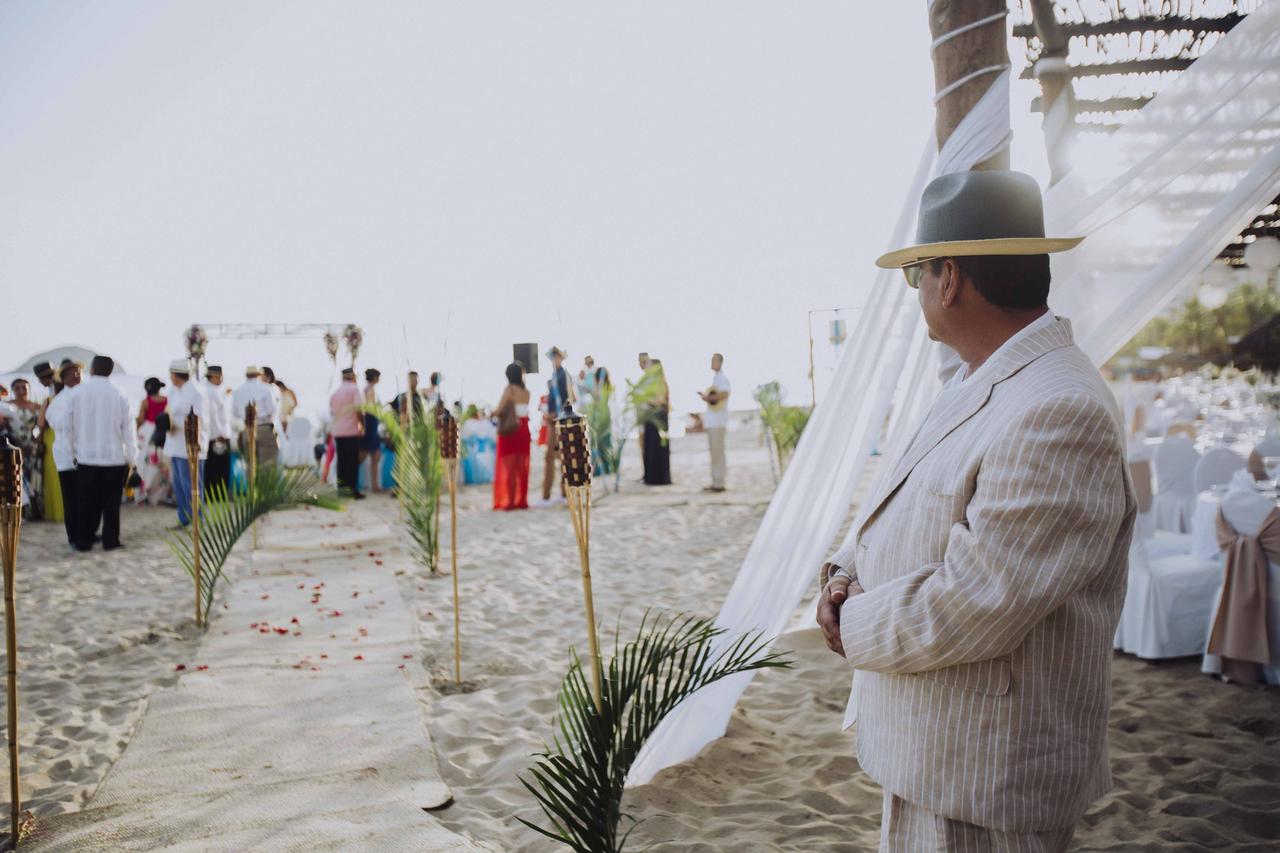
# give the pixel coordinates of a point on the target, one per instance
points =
(1246, 511)
(1216, 468)
(1175, 499)
(1269, 446)
(1167, 605)
(298, 450)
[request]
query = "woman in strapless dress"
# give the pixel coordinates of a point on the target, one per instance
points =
(511, 473)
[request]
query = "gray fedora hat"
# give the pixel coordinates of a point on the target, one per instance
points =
(979, 213)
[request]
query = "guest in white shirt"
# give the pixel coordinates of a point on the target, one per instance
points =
(716, 421)
(106, 447)
(217, 464)
(64, 456)
(185, 398)
(280, 420)
(255, 391)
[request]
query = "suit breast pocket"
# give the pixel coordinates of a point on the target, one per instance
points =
(989, 677)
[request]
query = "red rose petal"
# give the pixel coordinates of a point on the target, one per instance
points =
(358, 657)
(202, 667)
(180, 667)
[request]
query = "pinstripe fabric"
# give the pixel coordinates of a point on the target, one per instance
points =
(905, 828)
(993, 554)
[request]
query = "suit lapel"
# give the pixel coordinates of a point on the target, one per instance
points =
(964, 402)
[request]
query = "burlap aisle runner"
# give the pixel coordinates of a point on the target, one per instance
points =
(304, 732)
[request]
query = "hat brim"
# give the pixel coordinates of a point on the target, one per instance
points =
(973, 248)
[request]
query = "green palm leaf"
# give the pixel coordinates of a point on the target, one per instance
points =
(578, 781)
(418, 473)
(225, 517)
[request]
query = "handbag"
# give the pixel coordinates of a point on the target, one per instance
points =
(507, 420)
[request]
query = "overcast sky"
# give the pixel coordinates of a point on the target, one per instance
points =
(676, 177)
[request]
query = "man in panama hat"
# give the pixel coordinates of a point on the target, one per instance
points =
(979, 597)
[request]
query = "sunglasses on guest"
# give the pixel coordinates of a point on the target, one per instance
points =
(914, 272)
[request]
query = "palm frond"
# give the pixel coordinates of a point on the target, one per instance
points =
(225, 517)
(578, 781)
(609, 429)
(418, 473)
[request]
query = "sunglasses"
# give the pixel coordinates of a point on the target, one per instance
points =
(913, 272)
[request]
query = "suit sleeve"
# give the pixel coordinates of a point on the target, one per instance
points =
(1050, 499)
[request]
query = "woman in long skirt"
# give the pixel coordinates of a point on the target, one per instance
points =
(657, 452)
(511, 473)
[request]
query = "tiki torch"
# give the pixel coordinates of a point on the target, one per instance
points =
(448, 430)
(11, 523)
(440, 414)
(191, 429)
(575, 472)
(251, 430)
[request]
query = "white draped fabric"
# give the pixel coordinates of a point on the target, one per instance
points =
(1157, 201)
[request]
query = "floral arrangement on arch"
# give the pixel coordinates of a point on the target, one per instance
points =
(331, 346)
(197, 342)
(354, 336)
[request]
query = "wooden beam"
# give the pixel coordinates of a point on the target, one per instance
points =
(1106, 105)
(1125, 26)
(962, 55)
(1133, 66)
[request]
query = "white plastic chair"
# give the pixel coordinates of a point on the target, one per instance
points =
(1175, 499)
(1246, 511)
(1216, 468)
(299, 447)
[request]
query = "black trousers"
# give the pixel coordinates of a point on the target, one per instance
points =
(67, 481)
(100, 489)
(217, 471)
(348, 449)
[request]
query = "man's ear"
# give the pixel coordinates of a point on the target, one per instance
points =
(949, 283)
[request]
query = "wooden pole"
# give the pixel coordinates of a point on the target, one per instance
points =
(251, 428)
(193, 462)
(447, 432)
(575, 474)
(962, 55)
(1055, 87)
(813, 385)
(10, 527)
(451, 467)
(580, 513)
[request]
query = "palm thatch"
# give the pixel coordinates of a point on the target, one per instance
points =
(418, 473)
(578, 781)
(225, 517)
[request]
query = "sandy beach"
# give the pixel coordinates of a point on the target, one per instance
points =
(1195, 761)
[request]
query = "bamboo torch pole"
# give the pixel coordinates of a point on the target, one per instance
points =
(449, 451)
(251, 430)
(575, 473)
(192, 434)
(440, 414)
(10, 525)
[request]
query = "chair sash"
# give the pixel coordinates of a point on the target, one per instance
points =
(1239, 633)
(1254, 465)
(1140, 472)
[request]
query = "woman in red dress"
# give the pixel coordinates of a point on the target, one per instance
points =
(511, 473)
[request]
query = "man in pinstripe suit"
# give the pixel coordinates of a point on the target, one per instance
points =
(979, 598)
